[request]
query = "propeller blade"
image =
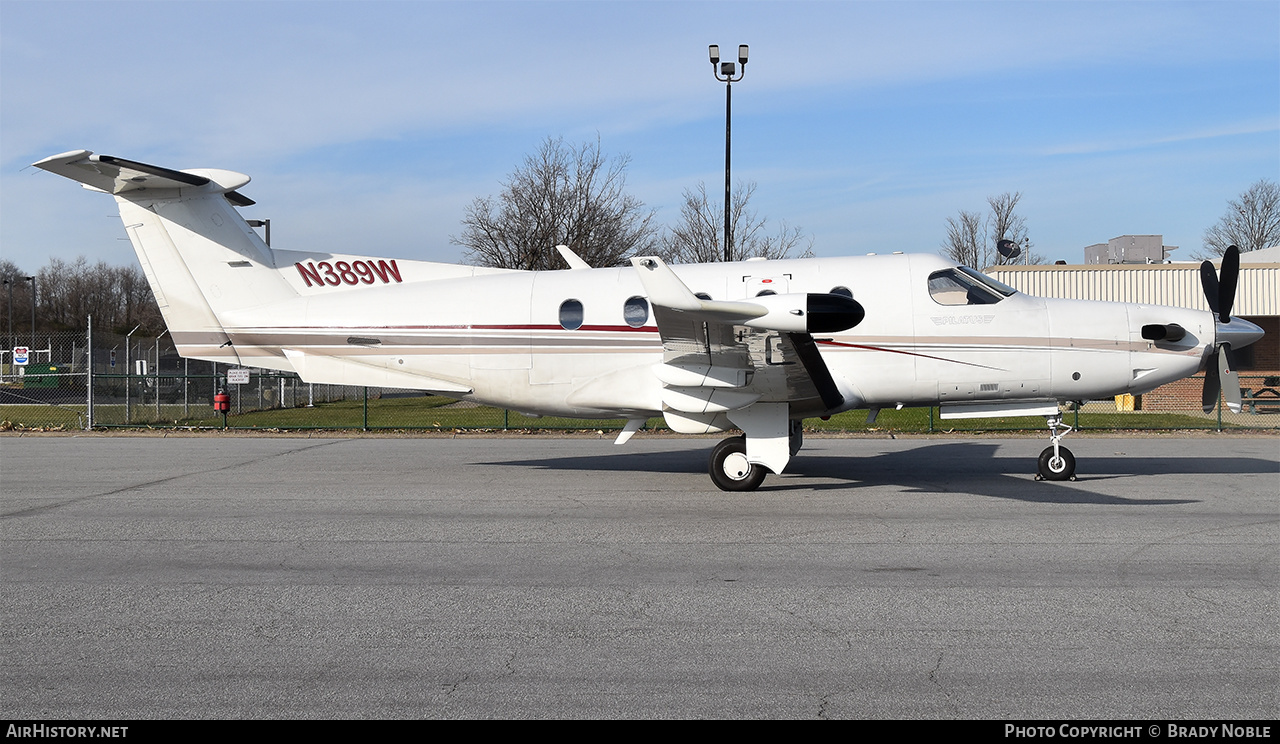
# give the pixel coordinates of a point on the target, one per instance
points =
(1209, 282)
(1229, 380)
(1227, 282)
(1209, 396)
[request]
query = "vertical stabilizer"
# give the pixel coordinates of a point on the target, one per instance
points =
(201, 259)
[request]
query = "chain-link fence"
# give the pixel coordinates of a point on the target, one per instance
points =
(122, 381)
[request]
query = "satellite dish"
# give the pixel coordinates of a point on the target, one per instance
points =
(1008, 249)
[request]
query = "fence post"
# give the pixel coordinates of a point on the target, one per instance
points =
(89, 379)
(156, 379)
(365, 424)
(930, 419)
(127, 379)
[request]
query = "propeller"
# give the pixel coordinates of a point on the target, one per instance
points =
(1220, 292)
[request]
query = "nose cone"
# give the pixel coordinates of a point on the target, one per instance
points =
(1238, 333)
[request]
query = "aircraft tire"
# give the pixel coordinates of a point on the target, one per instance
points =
(729, 468)
(1058, 468)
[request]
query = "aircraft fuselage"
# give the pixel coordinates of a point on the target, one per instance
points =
(502, 335)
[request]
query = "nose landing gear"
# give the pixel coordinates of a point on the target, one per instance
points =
(1056, 463)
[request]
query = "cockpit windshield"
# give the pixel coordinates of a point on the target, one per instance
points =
(964, 286)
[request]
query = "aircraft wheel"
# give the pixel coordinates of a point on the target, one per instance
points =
(1060, 468)
(729, 468)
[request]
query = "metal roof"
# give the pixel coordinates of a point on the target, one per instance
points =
(1154, 284)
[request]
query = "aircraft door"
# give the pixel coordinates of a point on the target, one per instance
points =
(975, 342)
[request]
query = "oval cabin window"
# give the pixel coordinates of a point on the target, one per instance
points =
(571, 315)
(635, 311)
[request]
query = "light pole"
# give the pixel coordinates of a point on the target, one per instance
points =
(8, 282)
(724, 72)
(262, 223)
(32, 279)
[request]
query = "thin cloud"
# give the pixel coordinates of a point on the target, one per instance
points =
(1126, 145)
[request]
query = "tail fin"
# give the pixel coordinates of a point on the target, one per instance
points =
(200, 257)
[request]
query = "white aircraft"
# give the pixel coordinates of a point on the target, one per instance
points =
(754, 345)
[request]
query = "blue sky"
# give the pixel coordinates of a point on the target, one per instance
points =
(369, 126)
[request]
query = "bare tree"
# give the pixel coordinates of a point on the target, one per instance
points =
(20, 291)
(1004, 224)
(140, 305)
(699, 235)
(965, 243)
(973, 240)
(1251, 222)
(563, 194)
(67, 292)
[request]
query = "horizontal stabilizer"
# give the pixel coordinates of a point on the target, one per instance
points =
(117, 175)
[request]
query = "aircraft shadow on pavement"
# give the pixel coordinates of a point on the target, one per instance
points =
(962, 467)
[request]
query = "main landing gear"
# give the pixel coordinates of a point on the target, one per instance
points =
(1056, 462)
(729, 468)
(768, 441)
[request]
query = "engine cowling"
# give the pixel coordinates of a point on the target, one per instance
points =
(807, 313)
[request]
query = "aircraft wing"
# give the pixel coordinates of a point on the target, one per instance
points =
(811, 378)
(722, 356)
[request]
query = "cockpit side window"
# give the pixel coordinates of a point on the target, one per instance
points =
(964, 286)
(1000, 287)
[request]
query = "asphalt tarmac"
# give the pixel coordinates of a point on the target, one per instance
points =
(538, 577)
